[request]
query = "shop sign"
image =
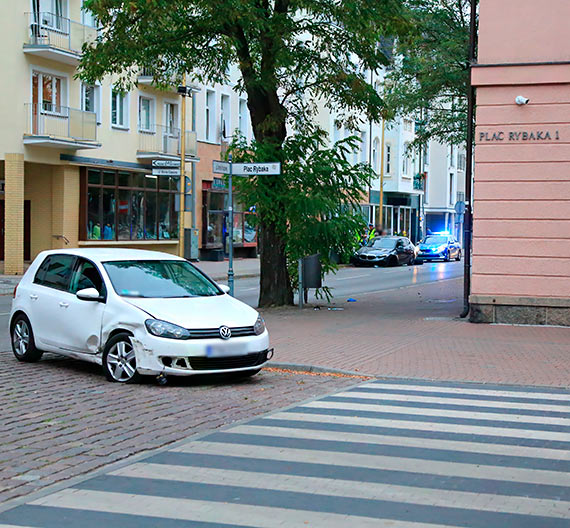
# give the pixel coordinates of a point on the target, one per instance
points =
(218, 183)
(220, 167)
(519, 135)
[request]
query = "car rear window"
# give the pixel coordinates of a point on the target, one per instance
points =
(55, 272)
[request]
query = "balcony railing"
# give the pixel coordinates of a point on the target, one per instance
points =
(61, 123)
(162, 140)
(54, 31)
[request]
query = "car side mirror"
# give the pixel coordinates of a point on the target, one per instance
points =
(224, 287)
(89, 294)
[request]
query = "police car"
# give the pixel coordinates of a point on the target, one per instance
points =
(439, 246)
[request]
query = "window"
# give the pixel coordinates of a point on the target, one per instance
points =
(426, 154)
(451, 189)
(388, 159)
(243, 117)
(130, 206)
(210, 115)
(89, 19)
(119, 109)
(226, 131)
(408, 125)
(337, 132)
(171, 118)
(405, 160)
(363, 147)
(375, 148)
(55, 272)
(90, 100)
(51, 14)
(48, 93)
(146, 114)
(451, 156)
(85, 276)
(461, 162)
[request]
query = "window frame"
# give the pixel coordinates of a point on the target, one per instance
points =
(123, 98)
(151, 114)
(39, 279)
(96, 99)
(79, 260)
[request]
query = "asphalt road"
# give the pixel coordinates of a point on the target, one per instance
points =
(354, 282)
(348, 282)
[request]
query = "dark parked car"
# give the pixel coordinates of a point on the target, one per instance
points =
(439, 246)
(386, 251)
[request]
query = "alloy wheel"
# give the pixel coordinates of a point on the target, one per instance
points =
(21, 338)
(121, 361)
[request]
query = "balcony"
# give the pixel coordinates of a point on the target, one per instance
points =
(164, 143)
(60, 127)
(57, 38)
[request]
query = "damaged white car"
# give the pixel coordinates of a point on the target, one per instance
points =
(135, 313)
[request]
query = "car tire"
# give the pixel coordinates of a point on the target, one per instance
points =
(458, 258)
(22, 339)
(412, 262)
(119, 360)
(393, 262)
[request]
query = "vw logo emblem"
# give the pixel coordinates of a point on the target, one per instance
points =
(225, 332)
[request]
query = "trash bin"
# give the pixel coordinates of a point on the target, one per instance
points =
(312, 272)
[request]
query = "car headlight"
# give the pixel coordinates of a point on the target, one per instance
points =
(259, 326)
(160, 328)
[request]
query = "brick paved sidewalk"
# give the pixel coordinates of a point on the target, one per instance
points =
(415, 333)
(60, 418)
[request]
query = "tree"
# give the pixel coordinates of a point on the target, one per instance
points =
(431, 71)
(288, 52)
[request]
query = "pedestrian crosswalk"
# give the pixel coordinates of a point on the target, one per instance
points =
(387, 453)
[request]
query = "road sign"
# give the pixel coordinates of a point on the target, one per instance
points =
(165, 164)
(460, 207)
(220, 167)
(166, 172)
(252, 169)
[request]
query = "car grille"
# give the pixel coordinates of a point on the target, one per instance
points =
(226, 363)
(211, 333)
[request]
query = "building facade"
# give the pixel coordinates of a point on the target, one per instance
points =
(521, 227)
(75, 158)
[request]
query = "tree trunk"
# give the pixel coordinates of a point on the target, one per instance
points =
(275, 285)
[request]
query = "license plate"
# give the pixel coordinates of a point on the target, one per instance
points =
(213, 351)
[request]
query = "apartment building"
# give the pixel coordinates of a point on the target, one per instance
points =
(445, 187)
(220, 111)
(76, 159)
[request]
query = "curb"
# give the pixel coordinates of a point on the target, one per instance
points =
(320, 370)
(225, 276)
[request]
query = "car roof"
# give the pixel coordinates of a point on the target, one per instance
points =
(113, 254)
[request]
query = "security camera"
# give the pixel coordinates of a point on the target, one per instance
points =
(521, 100)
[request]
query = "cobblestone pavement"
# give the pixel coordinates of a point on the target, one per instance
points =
(391, 453)
(415, 332)
(60, 418)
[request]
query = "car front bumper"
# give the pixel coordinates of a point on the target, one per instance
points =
(373, 261)
(189, 357)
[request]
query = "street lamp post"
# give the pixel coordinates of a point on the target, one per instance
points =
(231, 228)
(181, 205)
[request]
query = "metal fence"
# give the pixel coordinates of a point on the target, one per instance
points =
(51, 30)
(166, 140)
(60, 122)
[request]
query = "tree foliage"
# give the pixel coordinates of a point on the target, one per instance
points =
(289, 54)
(431, 72)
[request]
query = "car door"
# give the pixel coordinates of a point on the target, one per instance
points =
(409, 251)
(84, 318)
(49, 298)
(401, 251)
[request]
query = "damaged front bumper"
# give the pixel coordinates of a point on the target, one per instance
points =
(156, 355)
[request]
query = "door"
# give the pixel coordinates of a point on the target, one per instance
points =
(49, 300)
(84, 318)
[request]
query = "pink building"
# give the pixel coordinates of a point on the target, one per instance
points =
(521, 244)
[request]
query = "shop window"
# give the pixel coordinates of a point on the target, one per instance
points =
(130, 206)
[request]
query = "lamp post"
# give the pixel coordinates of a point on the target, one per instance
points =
(182, 200)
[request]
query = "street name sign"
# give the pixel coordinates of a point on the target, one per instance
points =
(163, 164)
(252, 169)
(166, 172)
(220, 167)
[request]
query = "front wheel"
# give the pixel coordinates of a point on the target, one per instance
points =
(22, 337)
(119, 360)
(458, 258)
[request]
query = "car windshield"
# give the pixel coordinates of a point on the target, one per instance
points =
(383, 243)
(158, 279)
(435, 240)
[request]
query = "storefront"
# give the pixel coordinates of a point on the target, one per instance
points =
(215, 229)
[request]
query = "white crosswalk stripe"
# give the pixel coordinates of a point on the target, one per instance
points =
(403, 455)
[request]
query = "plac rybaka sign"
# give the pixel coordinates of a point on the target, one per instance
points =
(246, 169)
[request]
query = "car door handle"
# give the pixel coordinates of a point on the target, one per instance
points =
(64, 304)
(34, 297)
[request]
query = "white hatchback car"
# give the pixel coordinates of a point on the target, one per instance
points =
(135, 313)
